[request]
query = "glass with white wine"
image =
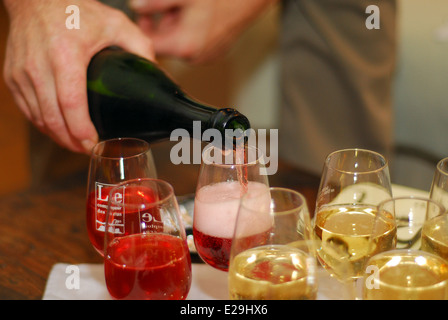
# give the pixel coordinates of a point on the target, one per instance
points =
(406, 274)
(411, 216)
(353, 183)
(435, 230)
(439, 186)
(272, 256)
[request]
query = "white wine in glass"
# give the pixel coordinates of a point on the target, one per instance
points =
(435, 230)
(405, 274)
(345, 232)
(439, 186)
(353, 183)
(419, 222)
(435, 236)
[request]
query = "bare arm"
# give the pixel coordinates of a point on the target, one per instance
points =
(46, 63)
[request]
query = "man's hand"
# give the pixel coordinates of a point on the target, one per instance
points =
(46, 63)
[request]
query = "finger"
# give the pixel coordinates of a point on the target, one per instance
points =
(36, 84)
(26, 99)
(71, 99)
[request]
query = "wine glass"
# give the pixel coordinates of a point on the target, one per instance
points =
(272, 254)
(411, 216)
(436, 230)
(224, 176)
(111, 162)
(146, 252)
(439, 186)
(353, 183)
(406, 274)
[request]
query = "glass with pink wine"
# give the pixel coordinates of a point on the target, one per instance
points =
(225, 176)
(112, 162)
(146, 256)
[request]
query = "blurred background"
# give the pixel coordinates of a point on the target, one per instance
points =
(248, 80)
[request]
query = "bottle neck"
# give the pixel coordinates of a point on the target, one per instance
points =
(212, 118)
(195, 110)
(225, 120)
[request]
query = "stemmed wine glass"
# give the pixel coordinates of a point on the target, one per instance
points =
(439, 186)
(436, 229)
(273, 256)
(225, 175)
(406, 274)
(146, 252)
(112, 162)
(411, 271)
(411, 216)
(353, 183)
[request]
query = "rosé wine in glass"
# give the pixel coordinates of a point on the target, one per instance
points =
(216, 209)
(146, 255)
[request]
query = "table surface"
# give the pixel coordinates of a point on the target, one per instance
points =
(44, 226)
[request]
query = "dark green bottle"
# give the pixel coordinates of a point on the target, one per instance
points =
(132, 97)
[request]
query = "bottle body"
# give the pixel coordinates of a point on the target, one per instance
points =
(131, 97)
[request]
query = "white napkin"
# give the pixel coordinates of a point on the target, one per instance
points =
(86, 282)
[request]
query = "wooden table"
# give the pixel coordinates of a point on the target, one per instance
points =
(44, 226)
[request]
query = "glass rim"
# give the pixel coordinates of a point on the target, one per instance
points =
(282, 189)
(440, 166)
(137, 182)
(367, 151)
(207, 149)
(411, 197)
(407, 252)
(145, 147)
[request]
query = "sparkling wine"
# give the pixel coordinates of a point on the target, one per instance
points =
(273, 272)
(216, 208)
(435, 236)
(125, 222)
(241, 157)
(214, 251)
(148, 266)
(411, 275)
(345, 234)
